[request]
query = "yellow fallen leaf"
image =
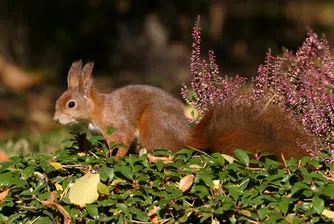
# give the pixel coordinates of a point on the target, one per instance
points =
(82, 154)
(328, 213)
(84, 190)
(59, 187)
(216, 184)
(186, 182)
(246, 212)
(56, 165)
(229, 159)
(117, 181)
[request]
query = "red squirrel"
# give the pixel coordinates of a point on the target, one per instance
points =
(154, 119)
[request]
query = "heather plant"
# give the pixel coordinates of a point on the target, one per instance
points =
(301, 83)
(207, 87)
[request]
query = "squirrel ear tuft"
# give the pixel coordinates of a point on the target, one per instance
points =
(88, 69)
(73, 77)
(87, 80)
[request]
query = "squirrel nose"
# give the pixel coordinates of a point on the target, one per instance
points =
(56, 119)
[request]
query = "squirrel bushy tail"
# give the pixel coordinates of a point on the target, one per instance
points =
(227, 127)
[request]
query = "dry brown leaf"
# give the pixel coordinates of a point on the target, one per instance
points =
(52, 197)
(50, 204)
(152, 214)
(328, 213)
(186, 182)
(195, 166)
(155, 159)
(4, 194)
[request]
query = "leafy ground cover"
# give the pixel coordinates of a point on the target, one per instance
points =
(190, 187)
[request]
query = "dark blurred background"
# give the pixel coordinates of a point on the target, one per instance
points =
(143, 41)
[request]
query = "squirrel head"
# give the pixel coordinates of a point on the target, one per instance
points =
(76, 103)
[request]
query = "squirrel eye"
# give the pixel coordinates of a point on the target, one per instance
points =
(71, 104)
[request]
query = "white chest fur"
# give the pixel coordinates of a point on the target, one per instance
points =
(93, 128)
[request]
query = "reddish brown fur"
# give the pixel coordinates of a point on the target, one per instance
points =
(157, 120)
(227, 127)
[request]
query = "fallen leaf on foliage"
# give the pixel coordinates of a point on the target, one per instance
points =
(328, 213)
(186, 182)
(56, 165)
(84, 190)
(82, 154)
(142, 152)
(4, 194)
(216, 184)
(117, 181)
(195, 166)
(51, 204)
(59, 187)
(52, 197)
(155, 159)
(103, 189)
(246, 212)
(229, 159)
(215, 221)
(152, 214)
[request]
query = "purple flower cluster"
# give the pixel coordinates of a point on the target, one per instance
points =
(302, 83)
(207, 87)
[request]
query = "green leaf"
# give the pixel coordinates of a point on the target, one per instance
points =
(141, 216)
(8, 179)
(299, 186)
(92, 211)
(283, 205)
(124, 209)
(28, 171)
(244, 184)
(5, 165)
(204, 217)
(242, 156)
(14, 217)
(106, 173)
(43, 220)
(111, 130)
(205, 179)
(263, 212)
(318, 204)
(328, 190)
(160, 165)
(74, 212)
(125, 171)
(200, 191)
(233, 190)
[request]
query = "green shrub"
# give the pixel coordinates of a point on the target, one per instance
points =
(140, 191)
